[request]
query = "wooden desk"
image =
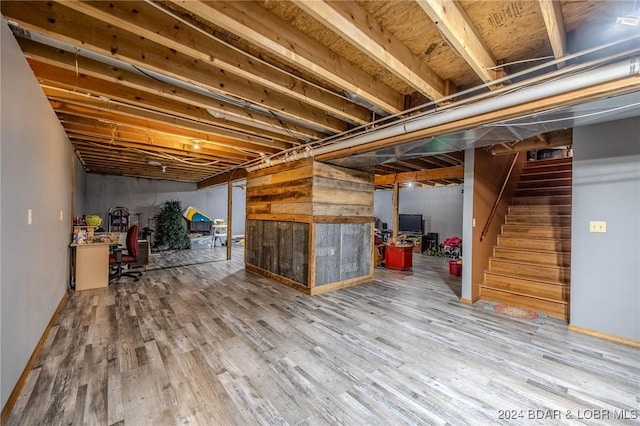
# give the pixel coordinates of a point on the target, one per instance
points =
(91, 265)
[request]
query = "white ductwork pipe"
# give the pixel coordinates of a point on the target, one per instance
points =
(523, 95)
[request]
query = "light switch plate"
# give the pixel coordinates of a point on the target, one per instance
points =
(29, 217)
(597, 226)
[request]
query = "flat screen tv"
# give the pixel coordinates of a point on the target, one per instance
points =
(410, 223)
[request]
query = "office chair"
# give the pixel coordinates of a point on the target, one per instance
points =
(118, 260)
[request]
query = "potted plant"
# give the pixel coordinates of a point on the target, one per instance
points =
(170, 232)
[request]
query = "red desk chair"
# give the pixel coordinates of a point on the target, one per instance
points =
(118, 260)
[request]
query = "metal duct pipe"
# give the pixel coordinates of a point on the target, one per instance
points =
(528, 94)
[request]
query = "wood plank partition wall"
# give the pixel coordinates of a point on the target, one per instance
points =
(310, 225)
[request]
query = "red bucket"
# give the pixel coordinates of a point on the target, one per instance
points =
(455, 268)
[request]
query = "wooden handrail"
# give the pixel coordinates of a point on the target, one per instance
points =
(498, 199)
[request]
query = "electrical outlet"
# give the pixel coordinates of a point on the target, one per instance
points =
(473, 223)
(597, 226)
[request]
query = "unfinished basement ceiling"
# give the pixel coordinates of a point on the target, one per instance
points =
(206, 89)
(502, 137)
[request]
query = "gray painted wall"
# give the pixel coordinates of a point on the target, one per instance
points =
(146, 196)
(35, 171)
(605, 267)
(80, 189)
(441, 208)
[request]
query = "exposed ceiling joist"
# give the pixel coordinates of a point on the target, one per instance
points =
(150, 139)
(252, 22)
(81, 103)
(364, 32)
(549, 140)
(219, 111)
(152, 23)
(458, 30)
(223, 178)
(554, 22)
(61, 23)
(116, 119)
(114, 92)
(454, 172)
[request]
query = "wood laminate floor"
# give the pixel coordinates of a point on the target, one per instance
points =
(212, 344)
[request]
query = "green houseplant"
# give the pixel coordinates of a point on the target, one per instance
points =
(170, 233)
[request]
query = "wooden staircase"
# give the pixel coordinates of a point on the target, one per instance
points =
(531, 264)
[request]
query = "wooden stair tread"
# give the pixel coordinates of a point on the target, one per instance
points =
(519, 262)
(535, 238)
(562, 302)
(541, 205)
(538, 225)
(527, 278)
(548, 162)
(543, 197)
(546, 188)
(533, 172)
(538, 215)
(527, 250)
(547, 179)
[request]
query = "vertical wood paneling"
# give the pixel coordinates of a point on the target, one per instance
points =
(343, 252)
(328, 252)
(279, 247)
(300, 250)
(356, 253)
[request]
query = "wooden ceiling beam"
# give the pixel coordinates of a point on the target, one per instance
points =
(119, 158)
(123, 152)
(153, 24)
(105, 159)
(188, 146)
(455, 157)
(253, 23)
(106, 143)
(113, 108)
(108, 92)
(352, 23)
(461, 34)
(225, 111)
(220, 179)
(406, 166)
(84, 32)
(554, 22)
(420, 176)
(420, 163)
(119, 119)
(548, 140)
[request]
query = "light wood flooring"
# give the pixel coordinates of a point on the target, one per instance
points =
(212, 344)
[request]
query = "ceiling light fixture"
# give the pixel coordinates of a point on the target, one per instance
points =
(154, 163)
(632, 19)
(196, 144)
(628, 20)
